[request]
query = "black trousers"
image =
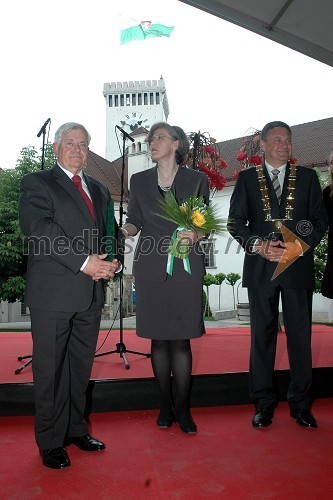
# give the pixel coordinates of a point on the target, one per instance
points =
(64, 345)
(297, 315)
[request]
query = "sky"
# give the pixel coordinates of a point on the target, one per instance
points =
(220, 78)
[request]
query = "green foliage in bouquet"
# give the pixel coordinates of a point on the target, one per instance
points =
(191, 215)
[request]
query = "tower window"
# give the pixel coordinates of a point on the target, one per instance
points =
(145, 98)
(110, 101)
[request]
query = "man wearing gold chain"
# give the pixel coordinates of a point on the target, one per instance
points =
(278, 216)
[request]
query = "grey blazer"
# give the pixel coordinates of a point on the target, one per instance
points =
(150, 259)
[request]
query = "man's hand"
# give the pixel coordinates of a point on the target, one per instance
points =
(98, 268)
(270, 250)
(278, 251)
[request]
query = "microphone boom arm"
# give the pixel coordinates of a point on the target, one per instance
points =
(125, 133)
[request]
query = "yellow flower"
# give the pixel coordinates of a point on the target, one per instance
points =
(198, 218)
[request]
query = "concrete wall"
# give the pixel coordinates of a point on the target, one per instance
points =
(11, 312)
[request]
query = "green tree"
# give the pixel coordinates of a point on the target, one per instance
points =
(219, 278)
(12, 254)
(231, 279)
(209, 279)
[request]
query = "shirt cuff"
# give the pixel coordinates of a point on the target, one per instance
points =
(84, 264)
(255, 250)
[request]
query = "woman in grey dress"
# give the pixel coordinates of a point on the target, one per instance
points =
(168, 307)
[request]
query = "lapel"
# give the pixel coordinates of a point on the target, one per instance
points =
(153, 182)
(185, 185)
(65, 182)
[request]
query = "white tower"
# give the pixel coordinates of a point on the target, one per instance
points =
(131, 105)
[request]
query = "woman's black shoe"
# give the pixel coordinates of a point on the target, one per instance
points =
(186, 424)
(165, 419)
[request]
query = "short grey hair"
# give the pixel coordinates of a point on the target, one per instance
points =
(67, 127)
(177, 134)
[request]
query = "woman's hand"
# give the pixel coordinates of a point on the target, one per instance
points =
(128, 230)
(189, 237)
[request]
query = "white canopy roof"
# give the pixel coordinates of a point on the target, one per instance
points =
(302, 25)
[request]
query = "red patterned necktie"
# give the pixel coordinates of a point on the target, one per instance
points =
(78, 183)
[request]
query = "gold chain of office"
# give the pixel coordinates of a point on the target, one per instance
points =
(290, 193)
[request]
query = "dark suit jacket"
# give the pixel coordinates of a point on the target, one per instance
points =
(246, 224)
(61, 234)
(151, 254)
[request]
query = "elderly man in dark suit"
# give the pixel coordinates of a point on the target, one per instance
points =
(63, 212)
(269, 202)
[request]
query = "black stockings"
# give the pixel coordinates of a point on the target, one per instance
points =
(172, 357)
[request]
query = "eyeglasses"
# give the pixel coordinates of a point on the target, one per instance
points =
(158, 138)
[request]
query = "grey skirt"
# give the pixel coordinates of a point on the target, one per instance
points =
(169, 310)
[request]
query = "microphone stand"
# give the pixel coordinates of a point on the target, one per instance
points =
(120, 346)
(43, 149)
(42, 131)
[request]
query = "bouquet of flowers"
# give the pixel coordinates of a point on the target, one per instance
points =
(191, 215)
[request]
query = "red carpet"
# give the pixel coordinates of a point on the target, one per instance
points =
(220, 350)
(226, 459)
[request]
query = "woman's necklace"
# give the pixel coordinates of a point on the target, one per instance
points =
(159, 182)
(290, 193)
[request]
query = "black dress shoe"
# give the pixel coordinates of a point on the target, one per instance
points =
(262, 417)
(86, 443)
(186, 423)
(56, 458)
(304, 418)
(165, 419)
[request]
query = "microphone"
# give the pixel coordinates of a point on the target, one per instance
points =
(42, 130)
(125, 133)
